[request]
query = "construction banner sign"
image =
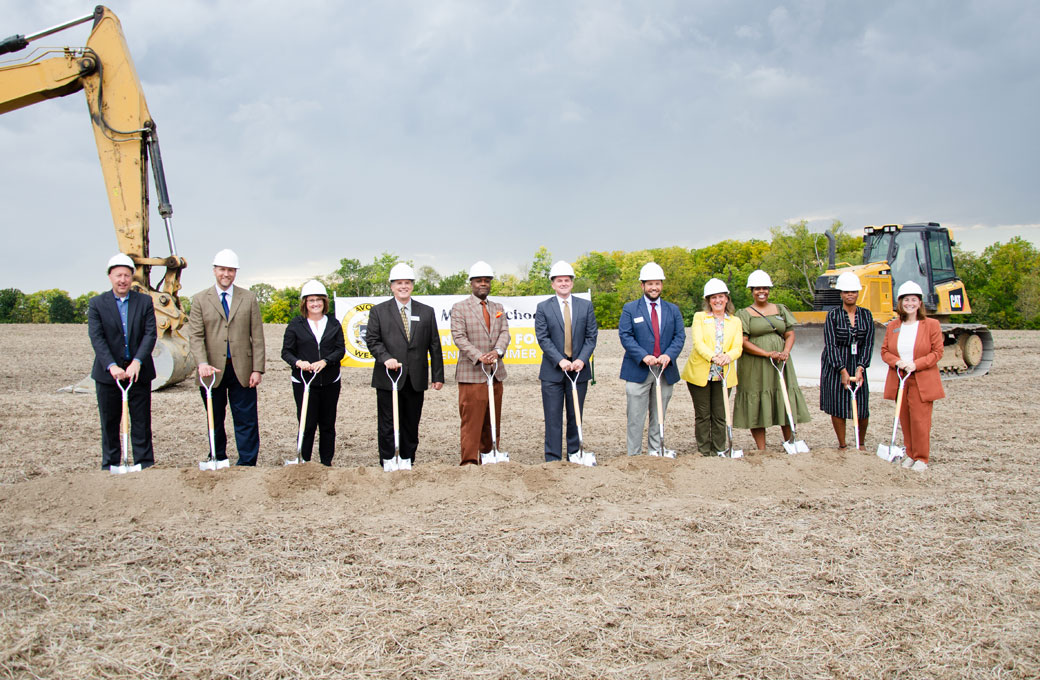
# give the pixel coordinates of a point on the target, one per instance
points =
(352, 312)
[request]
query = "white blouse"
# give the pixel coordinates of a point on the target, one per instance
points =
(907, 338)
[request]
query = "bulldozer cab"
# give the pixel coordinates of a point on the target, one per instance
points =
(915, 252)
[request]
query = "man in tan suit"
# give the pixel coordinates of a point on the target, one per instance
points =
(480, 330)
(226, 335)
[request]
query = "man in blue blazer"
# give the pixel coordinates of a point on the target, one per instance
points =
(653, 333)
(121, 326)
(565, 327)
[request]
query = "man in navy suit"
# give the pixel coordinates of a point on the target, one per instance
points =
(121, 326)
(565, 327)
(652, 333)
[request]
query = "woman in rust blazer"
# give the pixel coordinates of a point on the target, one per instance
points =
(914, 343)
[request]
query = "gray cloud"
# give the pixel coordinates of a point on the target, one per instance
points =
(452, 131)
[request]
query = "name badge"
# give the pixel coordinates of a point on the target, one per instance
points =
(638, 319)
(853, 349)
(414, 318)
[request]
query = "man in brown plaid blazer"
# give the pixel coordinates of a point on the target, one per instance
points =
(480, 330)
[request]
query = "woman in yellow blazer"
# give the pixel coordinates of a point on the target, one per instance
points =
(717, 342)
(914, 343)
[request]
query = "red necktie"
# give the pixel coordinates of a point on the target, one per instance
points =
(487, 317)
(657, 331)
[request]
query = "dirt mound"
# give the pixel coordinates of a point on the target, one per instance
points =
(824, 564)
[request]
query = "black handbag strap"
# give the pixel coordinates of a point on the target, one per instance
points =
(775, 329)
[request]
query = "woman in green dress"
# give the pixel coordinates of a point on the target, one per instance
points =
(768, 334)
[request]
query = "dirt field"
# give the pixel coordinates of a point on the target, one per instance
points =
(827, 564)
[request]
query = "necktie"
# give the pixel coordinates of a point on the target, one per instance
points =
(568, 340)
(657, 330)
(404, 320)
(123, 307)
(227, 315)
(487, 316)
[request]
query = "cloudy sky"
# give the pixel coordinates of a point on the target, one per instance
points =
(449, 131)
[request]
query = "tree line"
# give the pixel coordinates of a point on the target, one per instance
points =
(1003, 282)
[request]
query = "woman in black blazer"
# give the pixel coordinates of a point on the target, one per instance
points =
(303, 351)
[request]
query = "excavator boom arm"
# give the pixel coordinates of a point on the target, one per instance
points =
(126, 139)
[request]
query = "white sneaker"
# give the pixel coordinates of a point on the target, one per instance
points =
(907, 462)
(919, 466)
(669, 453)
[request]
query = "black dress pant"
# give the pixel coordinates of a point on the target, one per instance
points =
(110, 407)
(321, 418)
(410, 405)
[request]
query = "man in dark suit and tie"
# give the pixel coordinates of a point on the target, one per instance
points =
(403, 332)
(226, 335)
(652, 333)
(121, 326)
(565, 327)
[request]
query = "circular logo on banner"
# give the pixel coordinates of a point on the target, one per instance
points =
(355, 324)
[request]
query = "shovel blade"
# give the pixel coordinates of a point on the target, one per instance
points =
(207, 465)
(501, 457)
(293, 461)
(801, 446)
(488, 458)
(404, 463)
(736, 453)
(890, 453)
(655, 454)
(668, 453)
(123, 469)
(791, 448)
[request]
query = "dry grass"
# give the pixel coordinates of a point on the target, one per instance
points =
(829, 564)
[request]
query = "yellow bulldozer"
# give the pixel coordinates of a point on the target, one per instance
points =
(127, 143)
(893, 254)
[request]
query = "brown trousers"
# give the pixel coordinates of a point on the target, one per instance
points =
(475, 431)
(915, 418)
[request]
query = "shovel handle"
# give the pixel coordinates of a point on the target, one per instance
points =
(783, 390)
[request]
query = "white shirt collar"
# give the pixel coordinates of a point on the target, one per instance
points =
(221, 292)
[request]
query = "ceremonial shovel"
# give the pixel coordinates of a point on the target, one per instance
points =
(582, 457)
(660, 416)
(212, 463)
(124, 434)
(303, 416)
(730, 452)
(893, 453)
(494, 455)
(794, 444)
(396, 463)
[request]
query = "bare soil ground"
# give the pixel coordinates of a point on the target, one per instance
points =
(827, 564)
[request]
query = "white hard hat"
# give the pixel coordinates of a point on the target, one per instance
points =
(402, 270)
(714, 287)
(226, 258)
(480, 270)
(848, 282)
(910, 288)
(651, 271)
(120, 260)
(561, 268)
(759, 279)
(313, 287)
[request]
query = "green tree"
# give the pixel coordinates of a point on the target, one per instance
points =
(10, 300)
(60, 308)
(265, 293)
(797, 257)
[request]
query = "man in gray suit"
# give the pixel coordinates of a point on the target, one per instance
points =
(401, 333)
(565, 327)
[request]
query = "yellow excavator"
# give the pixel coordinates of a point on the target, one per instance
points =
(127, 143)
(892, 255)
